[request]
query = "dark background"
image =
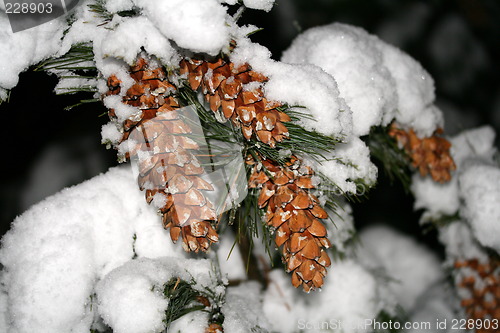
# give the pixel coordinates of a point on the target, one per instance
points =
(47, 148)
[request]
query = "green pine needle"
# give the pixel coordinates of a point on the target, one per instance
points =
(79, 57)
(395, 161)
(182, 298)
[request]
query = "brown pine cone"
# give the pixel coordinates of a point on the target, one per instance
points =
(429, 155)
(480, 281)
(296, 215)
(169, 169)
(214, 328)
(237, 92)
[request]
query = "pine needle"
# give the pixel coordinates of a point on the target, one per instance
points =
(394, 160)
(183, 299)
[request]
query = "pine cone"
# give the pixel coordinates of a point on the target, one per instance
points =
(428, 155)
(237, 92)
(480, 281)
(169, 170)
(214, 328)
(295, 214)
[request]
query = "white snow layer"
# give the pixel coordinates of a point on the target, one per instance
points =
(229, 258)
(474, 189)
(480, 192)
(377, 81)
(197, 25)
(131, 300)
(56, 251)
(347, 163)
(266, 5)
(412, 268)
(439, 199)
(243, 309)
(341, 230)
(350, 295)
(21, 49)
(299, 85)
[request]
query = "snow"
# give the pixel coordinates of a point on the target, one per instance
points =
(137, 288)
(460, 243)
(443, 199)
(243, 310)
(110, 133)
(22, 49)
(134, 288)
(415, 91)
(282, 304)
(340, 226)
(377, 81)
(412, 268)
(346, 164)
(265, 5)
(127, 39)
(122, 110)
(438, 303)
(193, 322)
(114, 6)
(48, 290)
(229, 258)
(197, 25)
(355, 292)
(480, 191)
(306, 86)
(352, 58)
(350, 295)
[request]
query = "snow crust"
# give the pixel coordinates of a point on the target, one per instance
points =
(474, 191)
(197, 25)
(243, 310)
(24, 48)
(353, 59)
(347, 163)
(265, 5)
(349, 286)
(299, 85)
(127, 39)
(130, 298)
(444, 199)
(56, 251)
(377, 81)
(480, 191)
(341, 230)
(229, 258)
(412, 268)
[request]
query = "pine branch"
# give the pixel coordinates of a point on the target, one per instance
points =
(394, 160)
(79, 58)
(82, 102)
(100, 10)
(183, 299)
(440, 221)
(78, 63)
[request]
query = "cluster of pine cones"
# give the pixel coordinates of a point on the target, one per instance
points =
(481, 282)
(171, 172)
(429, 155)
(172, 176)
